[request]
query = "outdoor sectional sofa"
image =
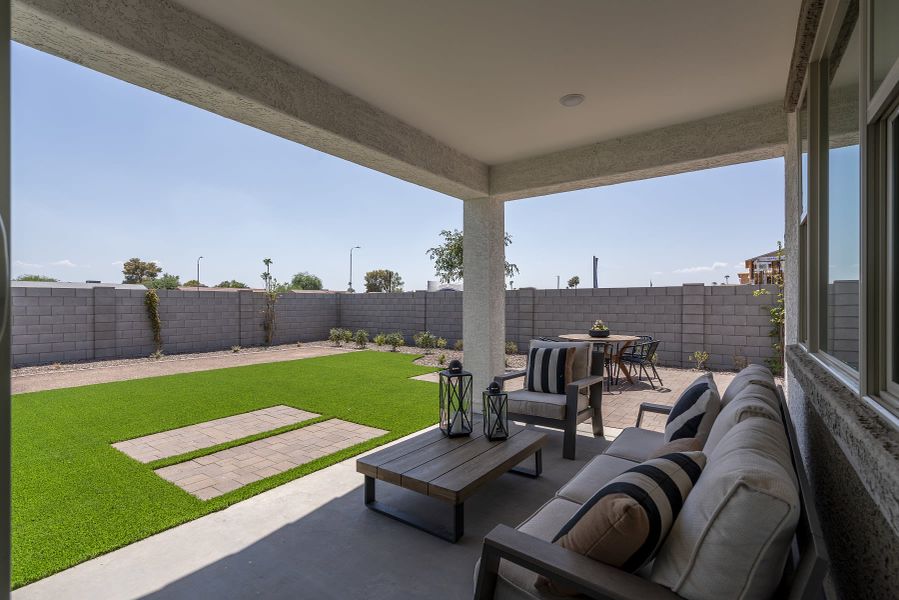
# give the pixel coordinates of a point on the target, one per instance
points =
(748, 529)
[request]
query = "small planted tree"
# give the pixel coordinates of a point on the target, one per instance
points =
(361, 338)
(380, 339)
(440, 343)
(271, 297)
(425, 340)
(395, 340)
(511, 347)
(700, 357)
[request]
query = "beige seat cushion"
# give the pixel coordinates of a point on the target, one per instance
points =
(517, 583)
(537, 404)
(747, 404)
(636, 444)
(733, 533)
(595, 474)
(743, 379)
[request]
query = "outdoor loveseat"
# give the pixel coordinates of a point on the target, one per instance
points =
(579, 401)
(748, 528)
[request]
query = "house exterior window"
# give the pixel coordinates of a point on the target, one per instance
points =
(842, 202)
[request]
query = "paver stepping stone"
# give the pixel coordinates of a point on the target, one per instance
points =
(215, 474)
(203, 435)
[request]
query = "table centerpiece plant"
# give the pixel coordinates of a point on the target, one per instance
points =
(599, 329)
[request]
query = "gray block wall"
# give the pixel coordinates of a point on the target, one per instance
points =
(64, 324)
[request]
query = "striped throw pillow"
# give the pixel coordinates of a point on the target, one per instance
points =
(549, 369)
(625, 522)
(694, 412)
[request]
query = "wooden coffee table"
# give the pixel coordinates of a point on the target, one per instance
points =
(448, 469)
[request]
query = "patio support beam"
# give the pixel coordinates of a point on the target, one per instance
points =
(747, 135)
(167, 49)
(484, 298)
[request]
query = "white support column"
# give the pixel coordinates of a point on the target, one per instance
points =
(792, 208)
(484, 298)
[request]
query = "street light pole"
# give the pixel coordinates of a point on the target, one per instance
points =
(198, 273)
(350, 288)
(558, 279)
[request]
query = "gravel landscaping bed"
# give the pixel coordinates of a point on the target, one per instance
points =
(513, 361)
(99, 364)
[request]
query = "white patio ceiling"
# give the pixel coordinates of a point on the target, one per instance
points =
(460, 96)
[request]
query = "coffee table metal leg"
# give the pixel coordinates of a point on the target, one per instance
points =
(451, 535)
(538, 466)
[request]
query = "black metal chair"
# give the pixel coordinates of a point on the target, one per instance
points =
(642, 359)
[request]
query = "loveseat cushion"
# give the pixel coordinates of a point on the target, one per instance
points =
(625, 522)
(516, 582)
(743, 379)
(749, 403)
(733, 533)
(594, 475)
(537, 404)
(636, 444)
(694, 412)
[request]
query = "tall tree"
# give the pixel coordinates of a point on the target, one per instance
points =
(233, 284)
(193, 283)
(447, 257)
(137, 271)
(35, 278)
(383, 280)
(166, 282)
(574, 282)
(305, 281)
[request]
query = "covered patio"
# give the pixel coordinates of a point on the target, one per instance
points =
(494, 102)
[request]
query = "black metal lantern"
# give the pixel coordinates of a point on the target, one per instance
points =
(455, 400)
(496, 413)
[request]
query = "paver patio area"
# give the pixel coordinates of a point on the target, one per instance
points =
(218, 431)
(221, 472)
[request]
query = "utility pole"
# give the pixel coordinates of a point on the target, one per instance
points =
(198, 274)
(595, 272)
(350, 288)
(558, 278)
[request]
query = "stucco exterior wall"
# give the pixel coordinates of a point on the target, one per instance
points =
(63, 324)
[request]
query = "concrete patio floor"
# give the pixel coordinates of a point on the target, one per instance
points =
(313, 538)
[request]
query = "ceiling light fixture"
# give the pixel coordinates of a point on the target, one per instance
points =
(570, 100)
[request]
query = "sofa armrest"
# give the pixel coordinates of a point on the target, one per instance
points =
(502, 379)
(662, 409)
(586, 381)
(591, 578)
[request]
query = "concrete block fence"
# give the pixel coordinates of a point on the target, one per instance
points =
(59, 324)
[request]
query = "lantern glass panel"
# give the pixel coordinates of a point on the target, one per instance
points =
(456, 410)
(496, 415)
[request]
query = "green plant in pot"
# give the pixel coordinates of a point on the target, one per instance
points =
(599, 329)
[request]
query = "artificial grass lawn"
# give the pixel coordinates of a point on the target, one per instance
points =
(75, 497)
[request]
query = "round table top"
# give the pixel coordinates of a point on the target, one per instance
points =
(612, 338)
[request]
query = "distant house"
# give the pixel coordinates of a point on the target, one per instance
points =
(762, 269)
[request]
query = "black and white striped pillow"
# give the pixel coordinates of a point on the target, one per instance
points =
(625, 522)
(547, 369)
(694, 412)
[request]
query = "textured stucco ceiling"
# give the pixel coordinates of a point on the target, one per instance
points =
(485, 77)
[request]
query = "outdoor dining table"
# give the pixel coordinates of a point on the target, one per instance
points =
(620, 341)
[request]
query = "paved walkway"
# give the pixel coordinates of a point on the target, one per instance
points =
(139, 370)
(211, 433)
(218, 473)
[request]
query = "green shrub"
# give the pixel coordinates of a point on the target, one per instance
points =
(361, 338)
(157, 354)
(380, 339)
(394, 340)
(335, 335)
(235, 349)
(440, 343)
(458, 345)
(346, 335)
(441, 360)
(511, 347)
(424, 340)
(700, 357)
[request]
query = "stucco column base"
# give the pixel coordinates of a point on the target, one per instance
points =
(484, 298)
